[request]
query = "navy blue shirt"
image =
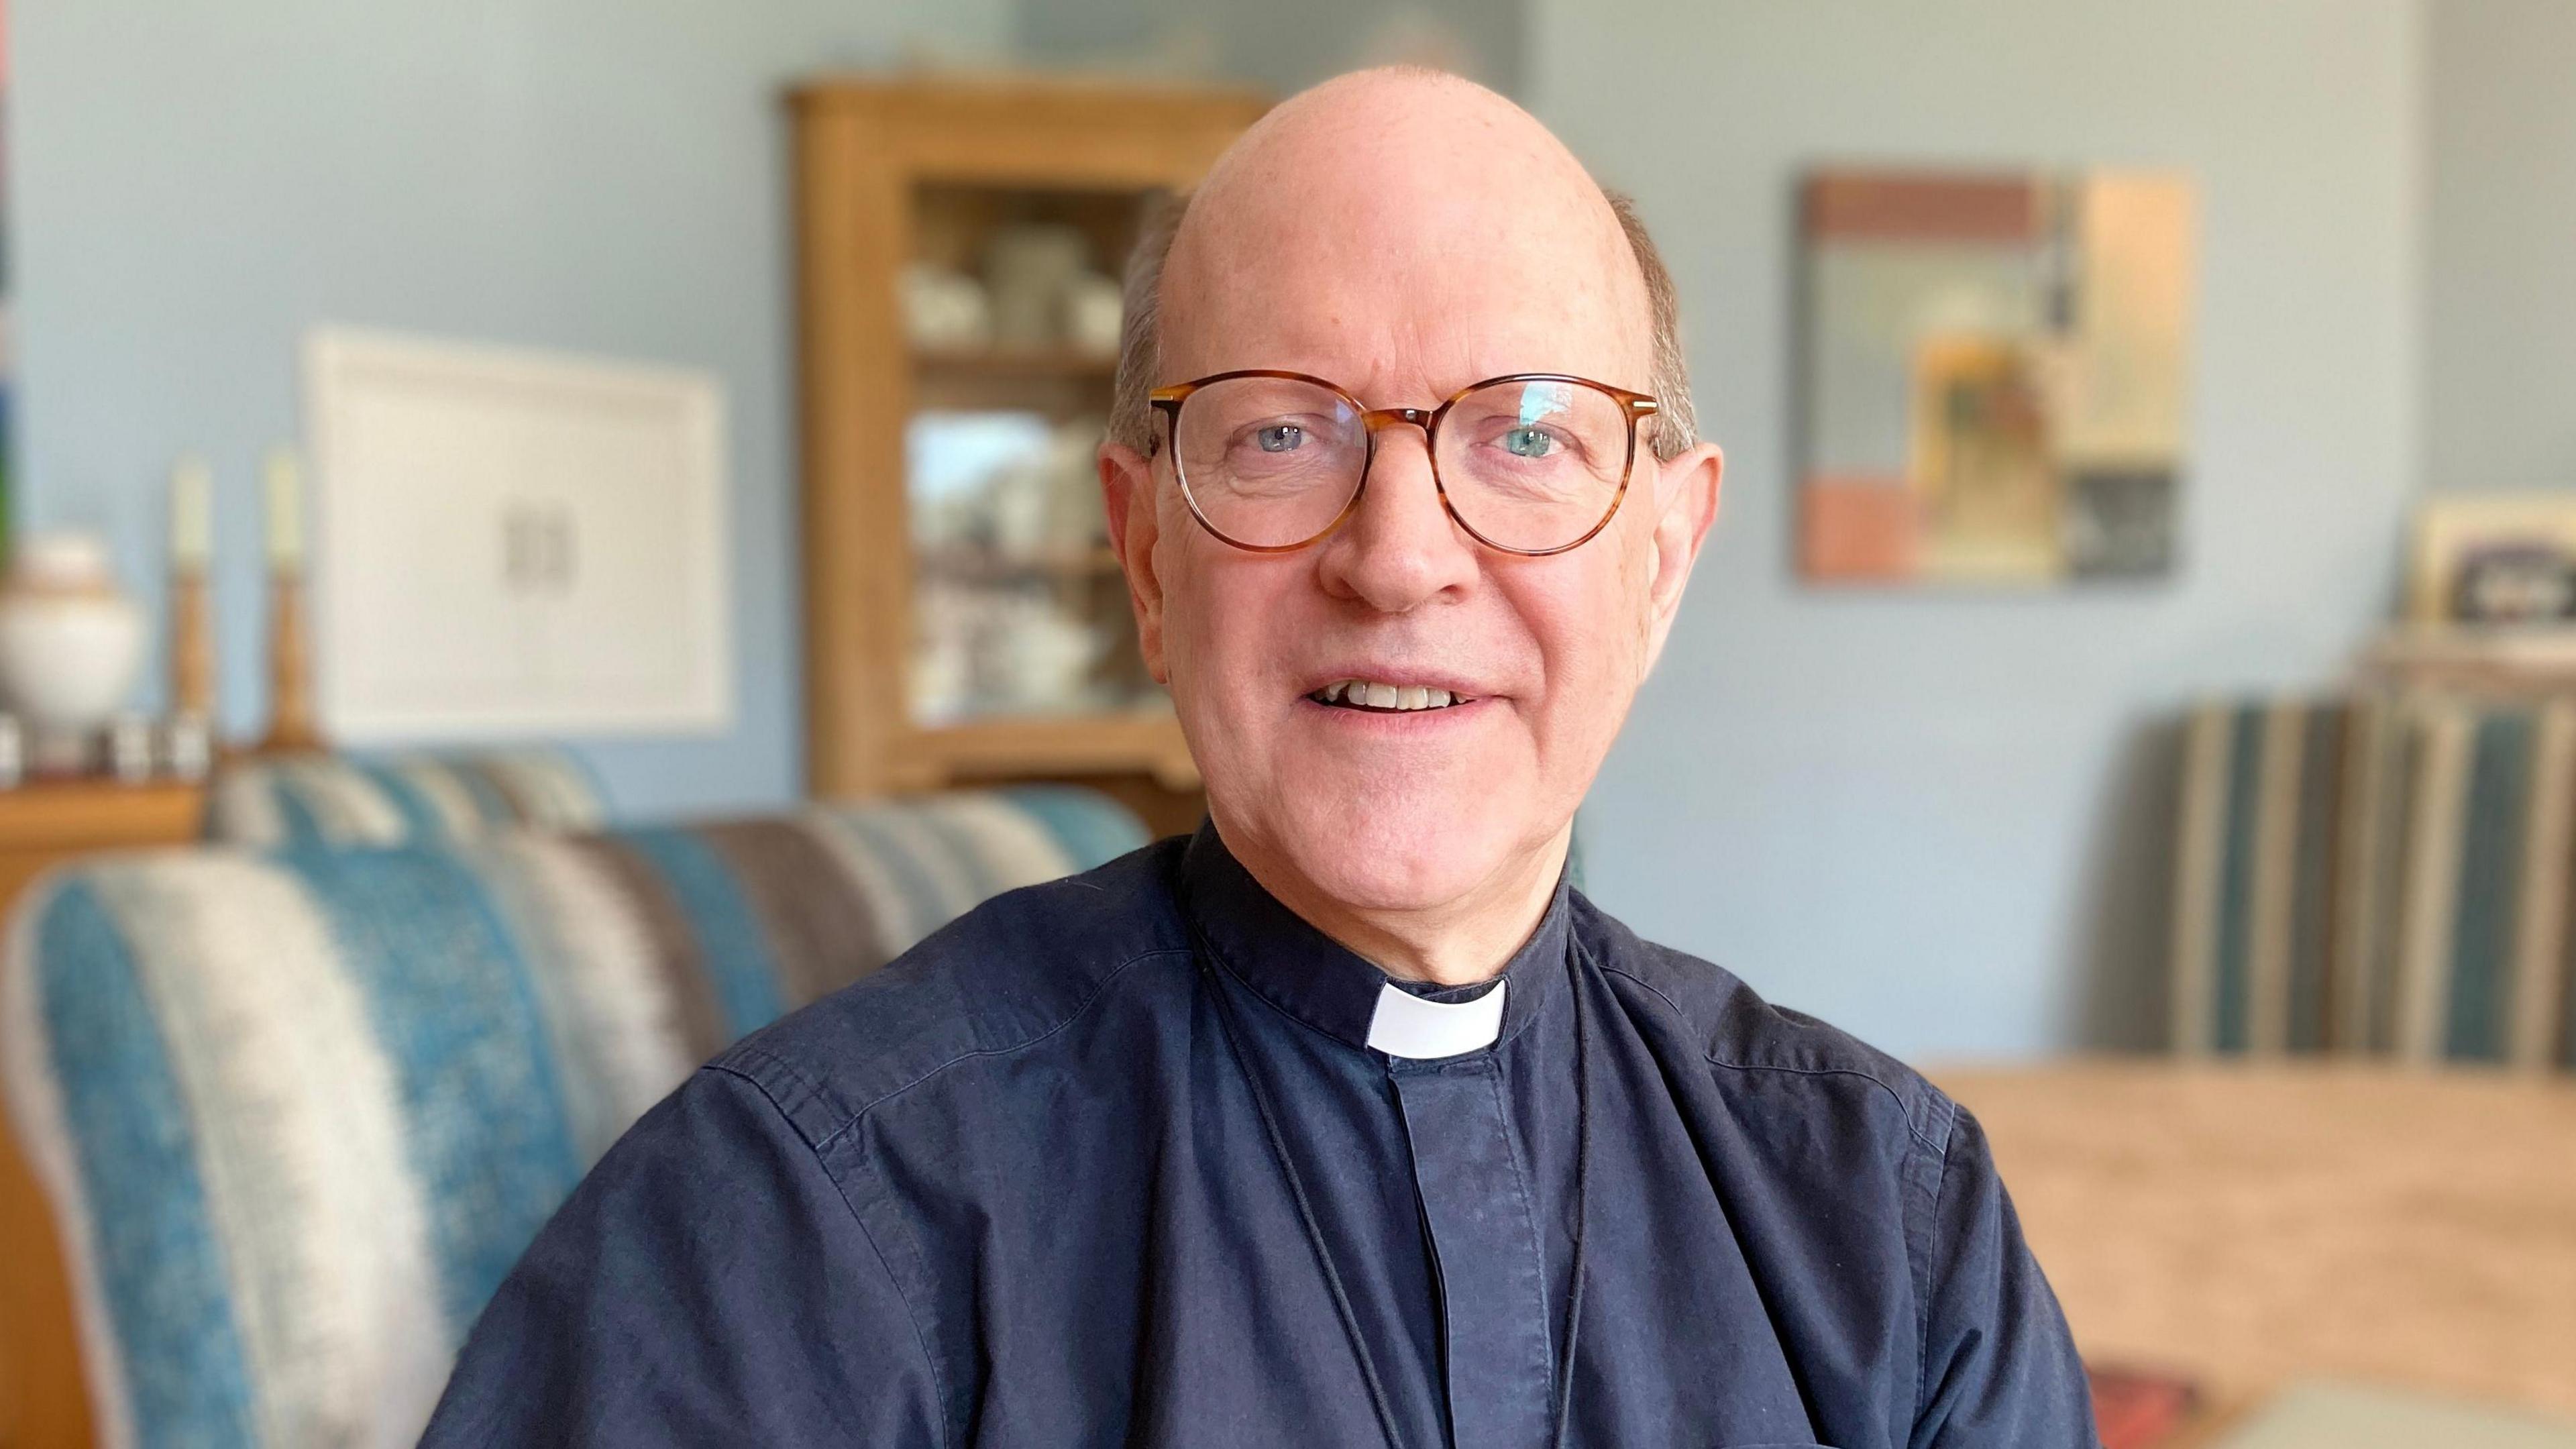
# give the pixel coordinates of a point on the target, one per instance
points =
(1110, 1162)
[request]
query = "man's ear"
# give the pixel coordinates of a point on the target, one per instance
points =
(1127, 494)
(1685, 505)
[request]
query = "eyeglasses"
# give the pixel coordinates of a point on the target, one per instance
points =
(1534, 463)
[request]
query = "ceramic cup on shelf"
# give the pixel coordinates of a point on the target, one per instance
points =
(1043, 656)
(1028, 267)
(70, 645)
(945, 310)
(1094, 311)
(1075, 523)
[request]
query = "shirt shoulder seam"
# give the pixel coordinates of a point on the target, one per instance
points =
(1903, 1110)
(859, 1114)
(912, 1316)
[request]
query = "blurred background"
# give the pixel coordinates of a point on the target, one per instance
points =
(566, 477)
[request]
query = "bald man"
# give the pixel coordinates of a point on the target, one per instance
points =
(1345, 1121)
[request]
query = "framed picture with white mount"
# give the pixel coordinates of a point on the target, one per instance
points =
(517, 543)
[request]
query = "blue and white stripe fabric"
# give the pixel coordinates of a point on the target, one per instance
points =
(293, 801)
(299, 1112)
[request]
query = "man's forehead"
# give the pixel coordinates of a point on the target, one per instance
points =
(1421, 222)
(1394, 345)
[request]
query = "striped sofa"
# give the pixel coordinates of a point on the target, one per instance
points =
(283, 801)
(2383, 874)
(297, 1113)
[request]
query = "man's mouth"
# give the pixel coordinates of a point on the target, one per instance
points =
(1377, 698)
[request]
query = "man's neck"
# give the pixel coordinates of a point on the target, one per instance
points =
(1455, 943)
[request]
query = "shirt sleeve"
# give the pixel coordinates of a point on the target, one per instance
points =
(705, 1284)
(1999, 1366)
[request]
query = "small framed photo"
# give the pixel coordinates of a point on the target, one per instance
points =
(2495, 559)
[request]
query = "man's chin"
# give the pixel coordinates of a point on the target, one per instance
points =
(1389, 858)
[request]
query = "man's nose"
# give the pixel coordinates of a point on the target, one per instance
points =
(1401, 548)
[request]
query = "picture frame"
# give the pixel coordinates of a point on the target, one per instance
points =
(2490, 560)
(1994, 376)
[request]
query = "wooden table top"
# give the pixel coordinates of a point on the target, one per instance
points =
(2252, 1225)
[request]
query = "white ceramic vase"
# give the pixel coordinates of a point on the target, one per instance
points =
(70, 644)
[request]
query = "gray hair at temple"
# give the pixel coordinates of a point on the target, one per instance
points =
(1673, 428)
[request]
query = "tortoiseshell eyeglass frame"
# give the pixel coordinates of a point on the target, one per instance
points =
(1169, 400)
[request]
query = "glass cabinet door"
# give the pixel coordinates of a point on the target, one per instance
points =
(1011, 309)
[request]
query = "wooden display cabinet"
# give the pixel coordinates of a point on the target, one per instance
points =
(946, 643)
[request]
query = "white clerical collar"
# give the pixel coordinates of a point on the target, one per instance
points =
(1406, 1025)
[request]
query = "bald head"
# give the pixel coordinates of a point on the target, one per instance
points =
(1395, 209)
(1428, 162)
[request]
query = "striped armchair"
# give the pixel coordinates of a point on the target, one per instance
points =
(2385, 874)
(296, 1114)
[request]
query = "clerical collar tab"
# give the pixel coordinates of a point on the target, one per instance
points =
(1406, 1025)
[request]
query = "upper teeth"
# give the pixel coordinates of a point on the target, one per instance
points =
(1385, 696)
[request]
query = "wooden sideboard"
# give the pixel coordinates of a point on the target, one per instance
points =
(43, 1404)
(45, 824)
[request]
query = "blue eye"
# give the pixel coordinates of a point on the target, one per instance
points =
(1529, 443)
(1279, 437)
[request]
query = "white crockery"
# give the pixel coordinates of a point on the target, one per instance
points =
(70, 643)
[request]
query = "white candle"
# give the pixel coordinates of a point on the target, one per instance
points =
(192, 515)
(285, 512)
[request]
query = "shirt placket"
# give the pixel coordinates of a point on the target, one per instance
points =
(1476, 1204)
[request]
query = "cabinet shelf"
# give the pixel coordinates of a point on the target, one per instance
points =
(1038, 362)
(1136, 741)
(967, 563)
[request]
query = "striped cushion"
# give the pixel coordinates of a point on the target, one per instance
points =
(294, 801)
(300, 1112)
(2386, 875)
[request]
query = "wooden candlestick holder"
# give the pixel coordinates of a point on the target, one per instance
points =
(292, 725)
(192, 645)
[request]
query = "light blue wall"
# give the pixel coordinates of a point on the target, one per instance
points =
(1934, 819)
(1281, 48)
(2500, 335)
(196, 181)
